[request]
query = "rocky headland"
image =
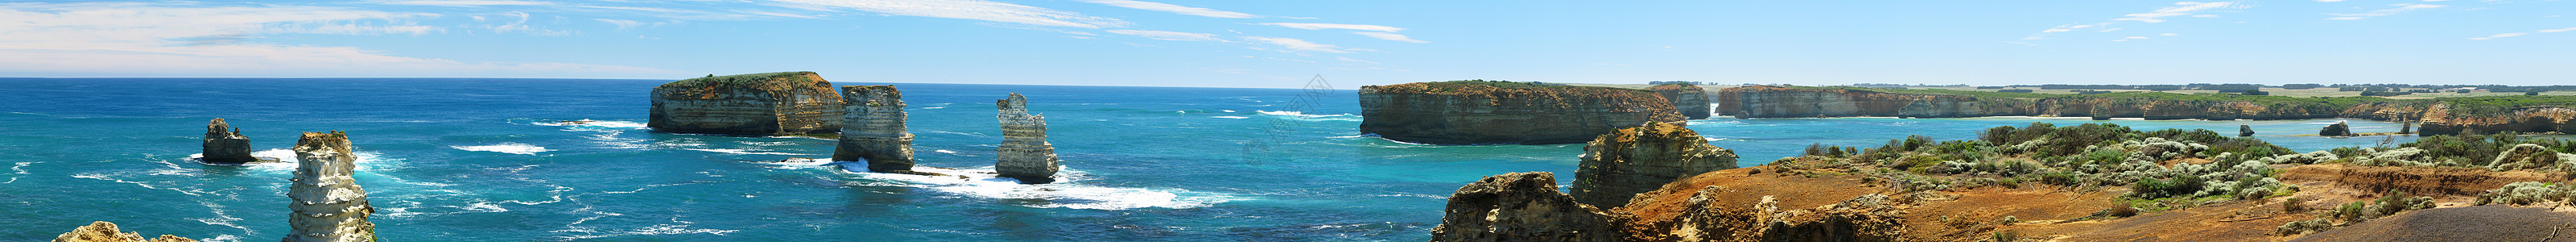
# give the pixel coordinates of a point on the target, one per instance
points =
(103, 231)
(1024, 154)
(2439, 116)
(1521, 207)
(327, 204)
(873, 129)
(764, 104)
(1687, 98)
(226, 145)
(1619, 165)
(1491, 112)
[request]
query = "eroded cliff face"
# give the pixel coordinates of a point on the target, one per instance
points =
(1618, 165)
(327, 203)
(2441, 121)
(1452, 113)
(765, 104)
(1024, 154)
(103, 231)
(225, 144)
(1520, 207)
(1786, 102)
(1687, 98)
(872, 129)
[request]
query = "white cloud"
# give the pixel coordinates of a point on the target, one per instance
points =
(1167, 35)
(1169, 8)
(1390, 36)
(167, 39)
(521, 26)
(2401, 8)
(1354, 60)
(464, 3)
(2187, 8)
(970, 10)
(2505, 35)
(1296, 44)
(2556, 30)
(2169, 34)
(1317, 26)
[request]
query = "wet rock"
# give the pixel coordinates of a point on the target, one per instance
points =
(1618, 165)
(103, 231)
(1520, 207)
(1025, 154)
(225, 144)
(873, 130)
(765, 104)
(327, 203)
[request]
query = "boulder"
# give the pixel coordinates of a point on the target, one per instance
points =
(1618, 165)
(2244, 131)
(2337, 129)
(765, 104)
(1024, 153)
(1520, 207)
(103, 231)
(327, 204)
(225, 144)
(873, 130)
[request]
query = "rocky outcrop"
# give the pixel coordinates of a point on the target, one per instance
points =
(2244, 130)
(1705, 217)
(225, 144)
(873, 130)
(1470, 112)
(1618, 165)
(327, 203)
(2337, 129)
(2444, 121)
(1520, 207)
(765, 104)
(1025, 154)
(103, 231)
(1688, 99)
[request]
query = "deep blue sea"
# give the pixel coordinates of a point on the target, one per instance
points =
(485, 160)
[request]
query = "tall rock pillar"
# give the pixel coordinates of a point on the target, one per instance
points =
(872, 129)
(1025, 154)
(328, 205)
(1619, 165)
(224, 144)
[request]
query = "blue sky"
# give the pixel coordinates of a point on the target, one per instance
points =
(1280, 44)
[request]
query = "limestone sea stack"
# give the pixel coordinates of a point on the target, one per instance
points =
(872, 129)
(765, 104)
(327, 203)
(103, 231)
(1621, 164)
(2244, 130)
(1521, 207)
(1490, 112)
(1025, 154)
(2337, 129)
(1689, 99)
(225, 144)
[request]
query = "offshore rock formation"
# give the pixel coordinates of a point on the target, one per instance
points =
(328, 204)
(2337, 129)
(1025, 154)
(1621, 164)
(1474, 113)
(1520, 207)
(1689, 99)
(225, 144)
(2244, 130)
(765, 104)
(873, 130)
(103, 231)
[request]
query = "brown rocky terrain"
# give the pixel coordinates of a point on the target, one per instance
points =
(1520, 207)
(1477, 112)
(103, 231)
(1621, 164)
(765, 104)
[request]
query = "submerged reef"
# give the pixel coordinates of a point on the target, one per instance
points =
(764, 104)
(1492, 112)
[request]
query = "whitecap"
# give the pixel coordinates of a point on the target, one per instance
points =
(1067, 192)
(513, 148)
(1297, 115)
(1232, 117)
(934, 107)
(744, 152)
(946, 151)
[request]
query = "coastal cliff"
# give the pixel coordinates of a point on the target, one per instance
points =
(765, 104)
(327, 203)
(1622, 164)
(1024, 154)
(2442, 121)
(225, 144)
(1816, 102)
(1484, 112)
(1688, 99)
(1521, 206)
(873, 130)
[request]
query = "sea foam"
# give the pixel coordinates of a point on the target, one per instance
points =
(1068, 191)
(513, 148)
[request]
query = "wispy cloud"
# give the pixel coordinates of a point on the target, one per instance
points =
(1354, 60)
(168, 38)
(462, 3)
(2187, 8)
(1167, 35)
(1391, 36)
(521, 26)
(1296, 44)
(969, 10)
(2544, 31)
(1320, 26)
(1169, 8)
(2401, 8)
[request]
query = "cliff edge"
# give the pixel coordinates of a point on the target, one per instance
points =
(1689, 99)
(1622, 164)
(1489, 112)
(765, 104)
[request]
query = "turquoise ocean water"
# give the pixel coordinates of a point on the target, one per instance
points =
(484, 160)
